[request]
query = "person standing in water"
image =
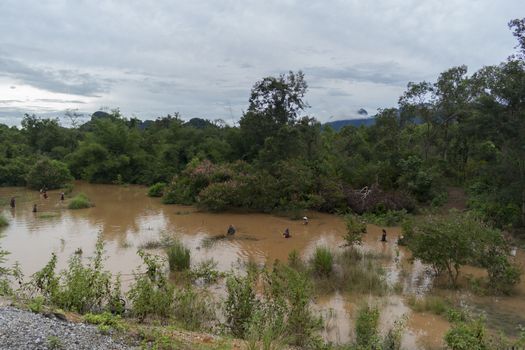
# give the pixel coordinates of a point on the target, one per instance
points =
(13, 203)
(231, 230)
(34, 208)
(62, 196)
(305, 220)
(383, 236)
(286, 233)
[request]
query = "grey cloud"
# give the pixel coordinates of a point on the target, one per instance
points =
(61, 81)
(379, 73)
(56, 100)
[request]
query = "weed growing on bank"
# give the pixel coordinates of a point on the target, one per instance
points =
(80, 287)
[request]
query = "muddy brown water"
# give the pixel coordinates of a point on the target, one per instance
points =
(126, 218)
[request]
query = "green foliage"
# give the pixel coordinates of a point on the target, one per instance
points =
(387, 218)
(3, 220)
(467, 336)
(35, 305)
(240, 304)
(80, 201)
(206, 271)
(54, 343)
(322, 261)
(157, 189)
(432, 304)
(178, 256)
(48, 173)
(150, 293)
(193, 309)
(355, 230)
(447, 243)
(367, 335)
(80, 288)
(105, 319)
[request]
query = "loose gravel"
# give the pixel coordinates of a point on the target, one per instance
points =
(23, 330)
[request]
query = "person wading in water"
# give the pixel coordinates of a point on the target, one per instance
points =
(13, 203)
(286, 233)
(231, 230)
(383, 236)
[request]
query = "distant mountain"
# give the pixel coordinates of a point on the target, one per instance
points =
(338, 124)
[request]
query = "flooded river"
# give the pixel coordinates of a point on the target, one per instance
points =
(126, 218)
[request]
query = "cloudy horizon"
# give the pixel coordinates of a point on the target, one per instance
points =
(201, 59)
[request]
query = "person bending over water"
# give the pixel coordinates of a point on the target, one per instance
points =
(383, 236)
(305, 220)
(231, 230)
(286, 233)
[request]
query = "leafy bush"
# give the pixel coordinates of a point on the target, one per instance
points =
(80, 201)
(49, 173)
(447, 243)
(178, 256)
(193, 310)
(355, 229)
(366, 332)
(322, 261)
(151, 294)
(240, 304)
(387, 218)
(156, 190)
(206, 271)
(290, 291)
(467, 336)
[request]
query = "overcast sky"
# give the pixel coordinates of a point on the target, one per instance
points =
(201, 58)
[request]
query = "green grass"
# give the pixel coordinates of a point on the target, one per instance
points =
(80, 201)
(322, 261)
(47, 215)
(354, 272)
(429, 303)
(3, 221)
(178, 256)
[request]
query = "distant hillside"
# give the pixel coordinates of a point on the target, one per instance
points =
(338, 124)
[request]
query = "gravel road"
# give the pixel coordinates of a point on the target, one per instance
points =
(24, 330)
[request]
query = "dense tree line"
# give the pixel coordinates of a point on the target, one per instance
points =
(463, 129)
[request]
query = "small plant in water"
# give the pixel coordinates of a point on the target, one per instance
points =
(178, 256)
(80, 201)
(322, 261)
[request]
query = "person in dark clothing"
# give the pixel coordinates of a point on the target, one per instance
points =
(13, 202)
(34, 208)
(383, 236)
(286, 233)
(231, 230)
(62, 196)
(45, 195)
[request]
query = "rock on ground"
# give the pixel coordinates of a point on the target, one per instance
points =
(23, 330)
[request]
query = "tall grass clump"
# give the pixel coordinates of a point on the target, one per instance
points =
(80, 201)
(3, 220)
(322, 262)
(429, 303)
(178, 256)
